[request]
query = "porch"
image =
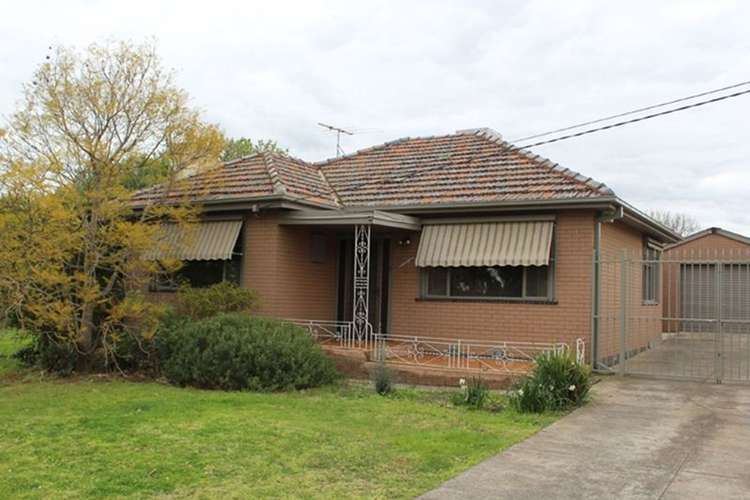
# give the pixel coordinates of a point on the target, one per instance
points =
(362, 330)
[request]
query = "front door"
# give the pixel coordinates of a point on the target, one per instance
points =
(379, 282)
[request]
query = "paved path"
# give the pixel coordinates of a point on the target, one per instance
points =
(637, 439)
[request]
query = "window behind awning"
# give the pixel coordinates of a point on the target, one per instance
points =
(518, 243)
(214, 240)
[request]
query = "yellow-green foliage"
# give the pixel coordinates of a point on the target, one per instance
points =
(70, 263)
(199, 303)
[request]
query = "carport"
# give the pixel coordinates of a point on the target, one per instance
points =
(680, 312)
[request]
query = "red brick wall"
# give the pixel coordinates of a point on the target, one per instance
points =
(279, 267)
(564, 321)
(643, 320)
(277, 264)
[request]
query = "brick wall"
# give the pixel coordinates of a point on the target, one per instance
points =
(278, 265)
(564, 321)
(643, 321)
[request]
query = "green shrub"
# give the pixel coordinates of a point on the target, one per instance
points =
(558, 382)
(236, 351)
(382, 378)
(55, 356)
(28, 356)
(473, 394)
(48, 353)
(225, 297)
(147, 355)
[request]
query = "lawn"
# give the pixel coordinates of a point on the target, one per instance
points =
(10, 342)
(100, 437)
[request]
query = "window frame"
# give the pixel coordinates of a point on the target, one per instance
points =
(549, 297)
(650, 275)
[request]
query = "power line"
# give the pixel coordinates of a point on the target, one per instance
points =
(635, 111)
(634, 120)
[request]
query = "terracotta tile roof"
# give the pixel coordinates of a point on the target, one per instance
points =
(254, 176)
(300, 179)
(465, 167)
(469, 166)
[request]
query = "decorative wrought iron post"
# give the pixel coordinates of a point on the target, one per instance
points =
(361, 321)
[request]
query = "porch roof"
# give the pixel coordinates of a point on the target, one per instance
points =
(350, 218)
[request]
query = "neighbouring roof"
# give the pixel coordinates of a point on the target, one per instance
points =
(711, 230)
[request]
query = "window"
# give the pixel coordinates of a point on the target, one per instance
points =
(203, 273)
(500, 282)
(651, 273)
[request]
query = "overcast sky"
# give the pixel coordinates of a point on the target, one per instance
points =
(273, 69)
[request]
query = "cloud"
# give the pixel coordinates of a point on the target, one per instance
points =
(274, 69)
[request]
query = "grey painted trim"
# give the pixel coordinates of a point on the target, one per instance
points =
(338, 218)
(240, 203)
(633, 216)
(481, 219)
(531, 204)
(596, 290)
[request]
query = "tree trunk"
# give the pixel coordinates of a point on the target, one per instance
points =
(86, 337)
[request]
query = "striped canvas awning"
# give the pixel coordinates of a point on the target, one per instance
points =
(212, 240)
(518, 243)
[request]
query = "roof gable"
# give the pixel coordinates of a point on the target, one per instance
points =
(255, 176)
(712, 232)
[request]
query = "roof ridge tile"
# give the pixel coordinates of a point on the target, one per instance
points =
(273, 173)
(589, 182)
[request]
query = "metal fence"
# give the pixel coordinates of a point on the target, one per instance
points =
(338, 333)
(462, 354)
(676, 314)
(438, 353)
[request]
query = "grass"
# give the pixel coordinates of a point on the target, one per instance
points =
(99, 437)
(10, 342)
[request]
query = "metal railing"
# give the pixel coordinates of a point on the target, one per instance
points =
(340, 333)
(439, 353)
(460, 354)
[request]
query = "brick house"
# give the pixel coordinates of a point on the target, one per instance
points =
(452, 237)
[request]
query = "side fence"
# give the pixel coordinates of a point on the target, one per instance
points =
(677, 314)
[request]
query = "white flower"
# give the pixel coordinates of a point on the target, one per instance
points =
(520, 392)
(572, 388)
(462, 382)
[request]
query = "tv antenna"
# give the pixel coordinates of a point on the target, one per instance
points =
(338, 131)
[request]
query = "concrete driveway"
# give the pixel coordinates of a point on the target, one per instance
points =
(637, 439)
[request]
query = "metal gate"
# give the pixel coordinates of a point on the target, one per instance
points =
(674, 314)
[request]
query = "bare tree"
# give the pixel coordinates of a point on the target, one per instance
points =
(682, 224)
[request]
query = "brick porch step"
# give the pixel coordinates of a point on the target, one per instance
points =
(356, 363)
